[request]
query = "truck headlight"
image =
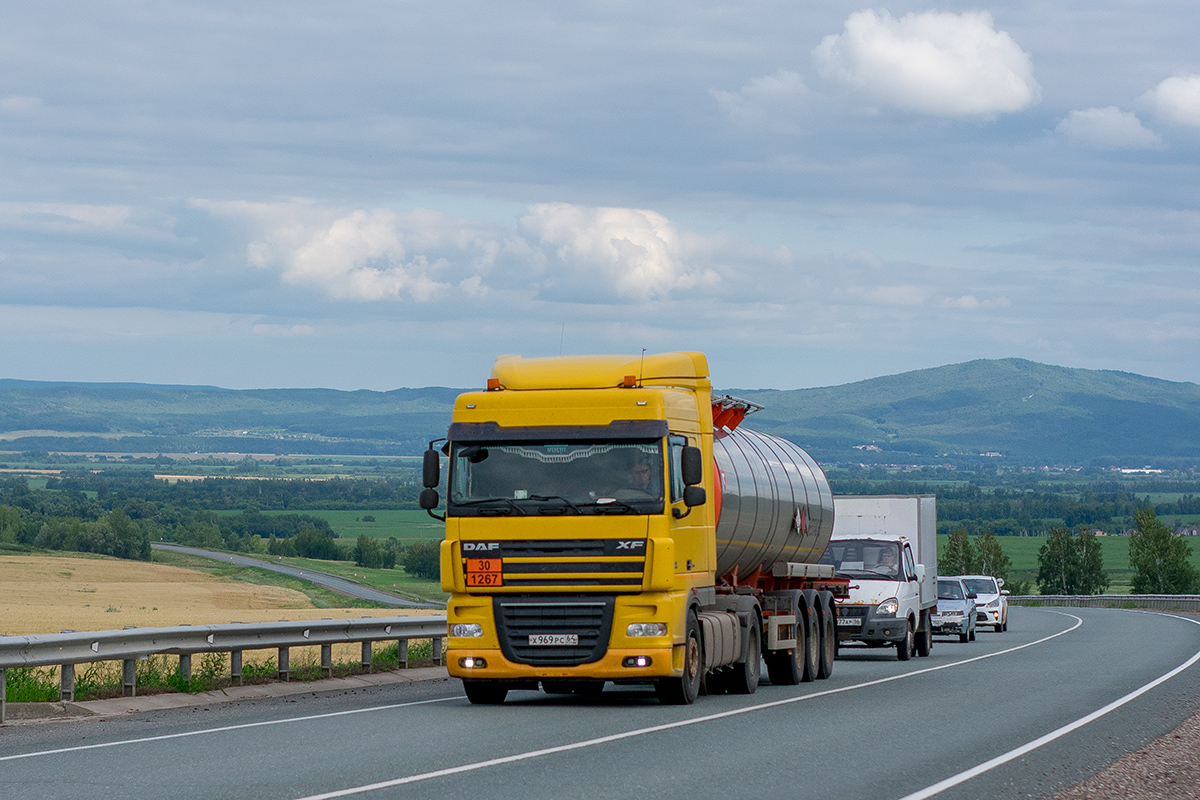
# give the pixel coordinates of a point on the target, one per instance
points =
(467, 630)
(646, 629)
(887, 608)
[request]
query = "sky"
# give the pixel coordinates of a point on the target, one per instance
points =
(372, 195)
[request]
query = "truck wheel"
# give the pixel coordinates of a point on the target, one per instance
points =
(812, 645)
(743, 678)
(925, 636)
(682, 691)
(786, 667)
(828, 643)
(485, 693)
(905, 647)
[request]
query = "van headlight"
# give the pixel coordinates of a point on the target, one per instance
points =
(887, 608)
(646, 629)
(466, 630)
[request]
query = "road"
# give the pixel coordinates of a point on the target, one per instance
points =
(878, 729)
(346, 587)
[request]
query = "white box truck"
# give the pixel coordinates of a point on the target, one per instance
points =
(886, 545)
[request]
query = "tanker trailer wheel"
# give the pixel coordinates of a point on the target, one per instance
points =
(682, 691)
(812, 645)
(485, 693)
(743, 678)
(828, 643)
(906, 646)
(925, 635)
(786, 667)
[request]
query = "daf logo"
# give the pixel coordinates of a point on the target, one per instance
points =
(480, 547)
(630, 545)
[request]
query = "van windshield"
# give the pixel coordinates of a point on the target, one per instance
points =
(556, 478)
(863, 558)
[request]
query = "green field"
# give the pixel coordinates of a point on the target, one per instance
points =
(406, 525)
(396, 581)
(1023, 552)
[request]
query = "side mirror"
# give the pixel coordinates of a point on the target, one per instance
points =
(692, 466)
(972, 596)
(694, 496)
(428, 499)
(431, 472)
(1004, 592)
(920, 573)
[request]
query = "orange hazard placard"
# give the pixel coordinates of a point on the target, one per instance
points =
(484, 572)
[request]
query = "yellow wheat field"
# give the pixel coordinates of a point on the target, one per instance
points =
(48, 594)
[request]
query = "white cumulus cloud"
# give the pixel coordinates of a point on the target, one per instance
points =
(943, 64)
(635, 253)
(754, 102)
(1177, 100)
(1108, 129)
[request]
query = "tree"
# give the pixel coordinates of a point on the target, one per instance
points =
(421, 560)
(959, 557)
(1159, 558)
(991, 559)
(1071, 564)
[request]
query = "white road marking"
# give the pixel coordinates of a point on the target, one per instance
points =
(991, 764)
(616, 737)
(225, 729)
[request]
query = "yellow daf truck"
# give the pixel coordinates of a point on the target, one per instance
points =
(607, 519)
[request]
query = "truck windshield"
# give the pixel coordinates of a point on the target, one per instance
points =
(863, 558)
(546, 478)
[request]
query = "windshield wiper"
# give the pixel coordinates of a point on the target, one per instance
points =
(546, 497)
(512, 506)
(611, 505)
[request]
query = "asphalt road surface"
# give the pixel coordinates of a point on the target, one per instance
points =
(878, 729)
(346, 587)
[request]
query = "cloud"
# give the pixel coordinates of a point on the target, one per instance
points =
(970, 302)
(20, 105)
(1177, 100)
(1108, 129)
(64, 217)
(754, 102)
(634, 253)
(943, 64)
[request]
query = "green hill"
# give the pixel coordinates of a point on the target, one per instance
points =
(1029, 413)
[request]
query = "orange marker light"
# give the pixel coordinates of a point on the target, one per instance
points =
(493, 384)
(629, 382)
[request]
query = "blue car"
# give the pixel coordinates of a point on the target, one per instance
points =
(955, 612)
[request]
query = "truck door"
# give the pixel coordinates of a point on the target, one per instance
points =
(692, 542)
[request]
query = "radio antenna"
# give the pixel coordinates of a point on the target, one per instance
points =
(642, 366)
(562, 336)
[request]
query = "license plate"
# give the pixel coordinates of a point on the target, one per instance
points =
(553, 639)
(849, 622)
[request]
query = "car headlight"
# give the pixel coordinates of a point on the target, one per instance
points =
(467, 630)
(994, 604)
(646, 629)
(887, 608)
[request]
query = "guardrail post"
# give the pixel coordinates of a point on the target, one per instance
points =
(185, 667)
(437, 650)
(129, 677)
(235, 667)
(283, 664)
(402, 654)
(3, 691)
(66, 684)
(327, 660)
(366, 657)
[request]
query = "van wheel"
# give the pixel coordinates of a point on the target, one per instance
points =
(485, 693)
(925, 636)
(743, 678)
(682, 691)
(906, 646)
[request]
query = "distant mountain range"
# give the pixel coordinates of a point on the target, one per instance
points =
(1016, 412)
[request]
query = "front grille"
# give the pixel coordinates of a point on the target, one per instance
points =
(851, 611)
(590, 620)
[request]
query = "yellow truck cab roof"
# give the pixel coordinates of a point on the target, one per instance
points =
(601, 372)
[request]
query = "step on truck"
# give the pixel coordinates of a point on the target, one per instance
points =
(608, 519)
(886, 546)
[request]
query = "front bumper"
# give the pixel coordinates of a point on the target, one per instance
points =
(610, 667)
(950, 625)
(988, 616)
(872, 629)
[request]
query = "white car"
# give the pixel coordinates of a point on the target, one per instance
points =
(991, 601)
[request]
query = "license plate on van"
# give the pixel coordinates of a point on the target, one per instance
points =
(849, 622)
(553, 640)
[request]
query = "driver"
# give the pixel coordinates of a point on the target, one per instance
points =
(641, 475)
(887, 562)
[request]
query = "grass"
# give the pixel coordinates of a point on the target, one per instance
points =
(156, 674)
(396, 581)
(1023, 552)
(406, 525)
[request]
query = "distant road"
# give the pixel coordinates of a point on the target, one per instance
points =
(342, 585)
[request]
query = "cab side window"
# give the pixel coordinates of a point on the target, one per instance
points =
(910, 569)
(675, 445)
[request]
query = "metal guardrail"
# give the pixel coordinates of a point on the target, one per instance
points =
(1162, 602)
(131, 644)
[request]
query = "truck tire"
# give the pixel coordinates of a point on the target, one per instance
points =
(828, 643)
(485, 693)
(812, 645)
(682, 691)
(786, 667)
(743, 677)
(925, 636)
(906, 646)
